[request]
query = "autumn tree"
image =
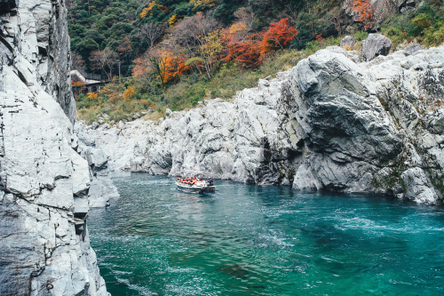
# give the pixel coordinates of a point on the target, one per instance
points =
(92, 95)
(174, 19)
(190, 33)
(151, 32)
(278, 36)
(104, 60)
(241, 47)
(144, 71)
(141, 66)
(209, 51)
(364, 12)
(128, 94)
(152, 7)
(163, 64)
(197, 3)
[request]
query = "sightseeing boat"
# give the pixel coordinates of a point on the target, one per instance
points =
(195, 186)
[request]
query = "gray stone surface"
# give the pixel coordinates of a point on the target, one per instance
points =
(102, 189)
(348, 41)
(411, 49)
(375, 45)
(330, 123)
(44, 182)
(418, 186)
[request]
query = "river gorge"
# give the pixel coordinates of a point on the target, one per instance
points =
(329, 177)
(264, 240)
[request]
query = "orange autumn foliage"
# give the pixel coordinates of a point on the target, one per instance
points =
(250, 49)
(140, 66)
(78, 87)
(171, 67)
(278, 35)
(77, 83)
(162, 63)
(174, 19)
(149, 9)
(241, 47)
(364, 10)
(112, 92)
(92, 95)
(128, 94)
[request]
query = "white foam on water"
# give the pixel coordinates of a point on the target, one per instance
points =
(145, 291)
(378, 228)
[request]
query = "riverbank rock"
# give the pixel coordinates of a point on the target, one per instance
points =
(375, 45)
(411, 49)
(44, 182)
(102, 189)
(348, 41)
(330, 123)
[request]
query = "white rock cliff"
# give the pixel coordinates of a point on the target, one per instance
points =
(44, 182)
(332, 122)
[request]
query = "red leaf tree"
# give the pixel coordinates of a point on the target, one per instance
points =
(278, 35)
(241, 47)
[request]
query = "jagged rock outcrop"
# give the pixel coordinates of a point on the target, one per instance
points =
(327, 124)
(44, 182)
(102, 189)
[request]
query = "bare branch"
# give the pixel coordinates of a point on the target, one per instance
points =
(152, 32)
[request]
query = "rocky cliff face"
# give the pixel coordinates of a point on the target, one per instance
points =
(331, 123)
(44, 182)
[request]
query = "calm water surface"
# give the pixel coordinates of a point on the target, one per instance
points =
(263, 240)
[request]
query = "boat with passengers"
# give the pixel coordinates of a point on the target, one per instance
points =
(195, 185)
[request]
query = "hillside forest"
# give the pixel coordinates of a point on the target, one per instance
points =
(160, 54)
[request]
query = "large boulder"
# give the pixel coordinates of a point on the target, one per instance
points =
(418, 186)
(375, 45)
(344, 126)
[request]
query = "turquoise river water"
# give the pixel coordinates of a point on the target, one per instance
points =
(264, 240)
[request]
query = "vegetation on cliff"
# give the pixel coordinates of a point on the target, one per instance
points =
(174, 53)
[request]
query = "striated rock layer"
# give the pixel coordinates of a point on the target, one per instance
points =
(44, 182)
(330, 123)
